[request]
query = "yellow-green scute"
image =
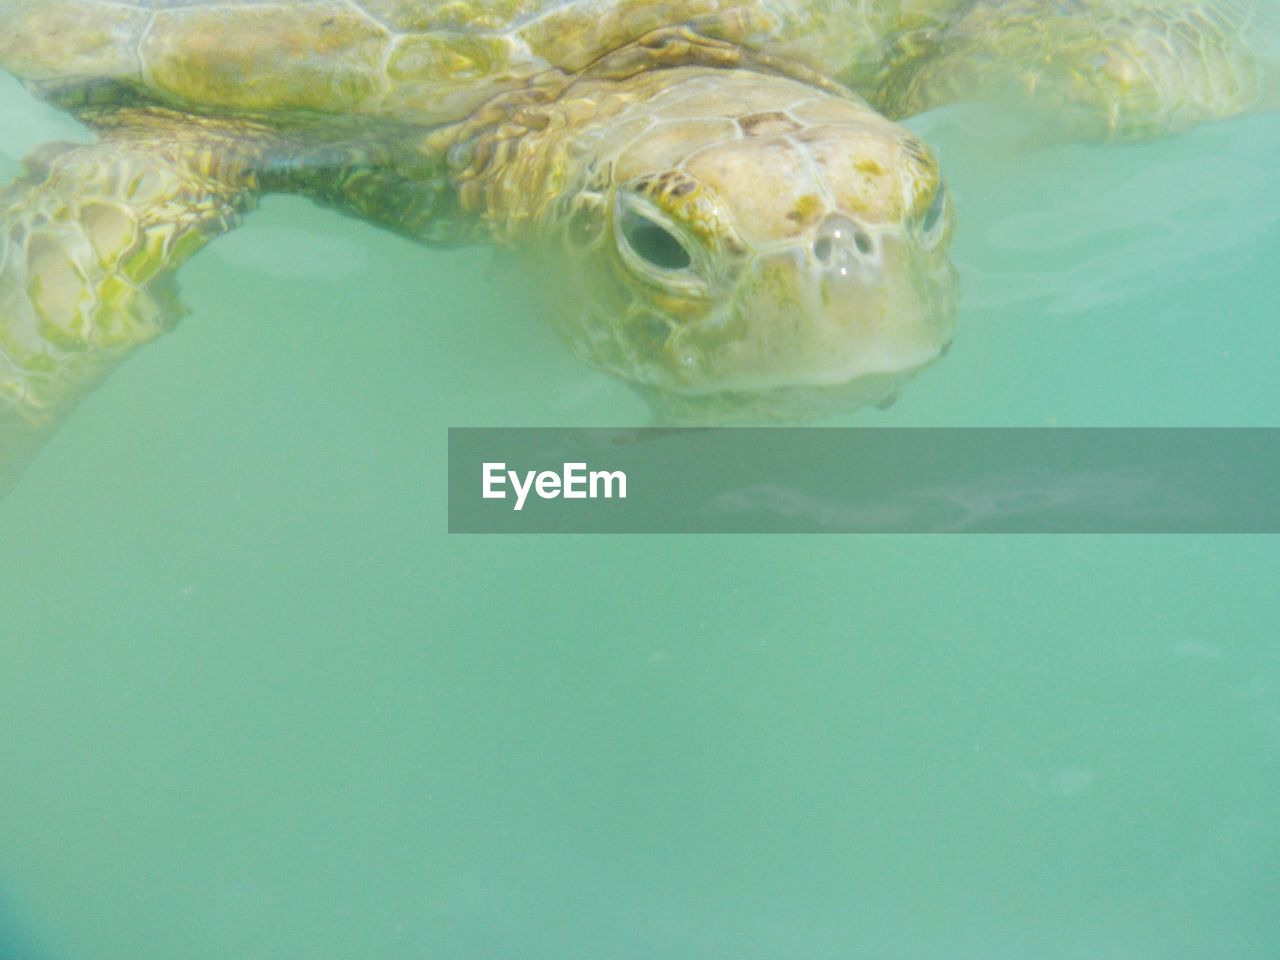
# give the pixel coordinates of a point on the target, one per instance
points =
(404, 59)
(432, 62)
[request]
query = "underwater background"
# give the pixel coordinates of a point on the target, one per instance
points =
(255, 703)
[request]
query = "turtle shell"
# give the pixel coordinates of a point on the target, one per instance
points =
(413, 61)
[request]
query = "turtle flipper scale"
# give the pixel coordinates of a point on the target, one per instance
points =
(90, 239)
(1099, 69)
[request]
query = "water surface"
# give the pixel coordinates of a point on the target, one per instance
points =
(255, 703)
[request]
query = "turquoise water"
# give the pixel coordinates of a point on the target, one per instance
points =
(255, 703)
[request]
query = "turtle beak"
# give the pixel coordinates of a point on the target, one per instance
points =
(854, 302)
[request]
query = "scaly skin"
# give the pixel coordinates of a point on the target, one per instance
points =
(1099, 69)
(835, 274)
(92, 235)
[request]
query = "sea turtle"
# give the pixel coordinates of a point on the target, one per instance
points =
(717, 190)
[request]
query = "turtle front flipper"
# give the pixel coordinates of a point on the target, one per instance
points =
(1098, 69)
(90, 238)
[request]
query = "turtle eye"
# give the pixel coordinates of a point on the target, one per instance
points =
(653, 243)
(931, 222)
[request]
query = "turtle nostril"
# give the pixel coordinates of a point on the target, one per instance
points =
(842, 241)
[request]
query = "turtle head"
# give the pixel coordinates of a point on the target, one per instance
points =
(745, 247)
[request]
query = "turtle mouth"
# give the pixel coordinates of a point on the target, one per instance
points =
(804, 334)
(782, 405)
(820, 325)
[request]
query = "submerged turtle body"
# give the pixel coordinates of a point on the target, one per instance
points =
(727, 211)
